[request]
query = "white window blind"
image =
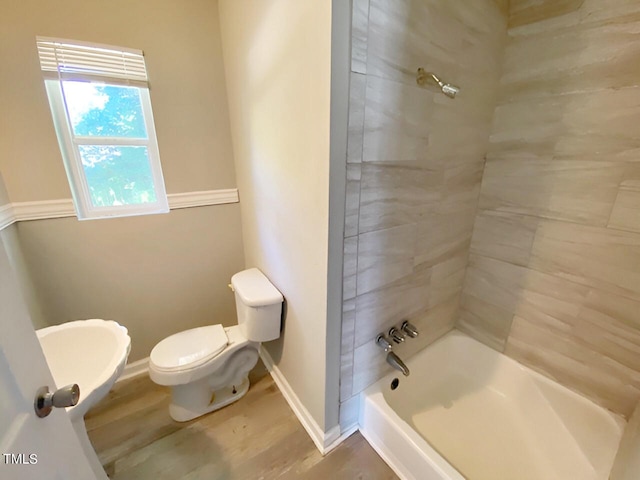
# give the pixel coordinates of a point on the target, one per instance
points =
(72, 60)
(101, 108)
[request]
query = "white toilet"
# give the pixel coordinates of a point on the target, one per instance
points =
(207, 367)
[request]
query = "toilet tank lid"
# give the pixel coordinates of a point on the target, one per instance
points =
(255, 289)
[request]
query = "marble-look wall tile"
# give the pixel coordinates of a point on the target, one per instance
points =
(461, 187)
(503, 5)
(352, 201)
(614, 307)
(515, 290)
(347, 349)
(396, 121)
(543, 296)
(504, 236)
(379, 310)
(578, 125)
(460, 127)
(369, 359)
(575, 58)
(484, 321)
(441, 236)
(369, 365)
(420, 156)
(432, 323)
(393, 195)
(523, 12)
(631, 179)
(571, 190)
(447, 278)
(554, 273)
(626, 210)
(349, 411)
(489, 300)
(613, 327)
(385, 256)
(605, 259)
(399, 44)
(359, 28)
(566, 358)
(442, 36)
(616, 14)
(349, 268)
(357, 88)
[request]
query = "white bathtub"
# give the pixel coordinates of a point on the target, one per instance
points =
(469, 412)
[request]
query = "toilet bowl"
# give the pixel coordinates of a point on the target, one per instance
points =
(207, 367)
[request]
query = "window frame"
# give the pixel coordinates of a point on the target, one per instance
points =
(70, 147)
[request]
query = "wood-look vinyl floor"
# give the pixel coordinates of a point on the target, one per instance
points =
(258, 437)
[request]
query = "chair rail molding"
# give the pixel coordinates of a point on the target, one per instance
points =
(7, 216)
(45, 209)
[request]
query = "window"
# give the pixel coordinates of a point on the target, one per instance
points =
(101, 108)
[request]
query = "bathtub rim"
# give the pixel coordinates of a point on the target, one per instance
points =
(415, 453)
(416, 450)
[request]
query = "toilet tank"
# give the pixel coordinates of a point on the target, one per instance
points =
(259, 305)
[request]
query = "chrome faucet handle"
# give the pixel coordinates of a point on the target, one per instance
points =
(396, 335)
(409, 329)
(383, 343)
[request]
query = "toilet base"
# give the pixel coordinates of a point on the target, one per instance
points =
(182, 412)
(224, 386)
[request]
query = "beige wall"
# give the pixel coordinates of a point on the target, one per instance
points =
(181, 43)
(11, 244)
(415, 160)
(157, 274)
(554, 273)
(277, 59)
(4, 196)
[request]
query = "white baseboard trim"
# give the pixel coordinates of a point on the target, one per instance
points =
(45, 209)
(324, 441)
(346, 433)
(134, 369)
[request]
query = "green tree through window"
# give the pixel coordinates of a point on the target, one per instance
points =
(115, 174)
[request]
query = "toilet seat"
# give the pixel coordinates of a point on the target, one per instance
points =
(209, 363)
(189, 349)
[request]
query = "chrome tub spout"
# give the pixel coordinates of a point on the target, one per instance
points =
(395, 362)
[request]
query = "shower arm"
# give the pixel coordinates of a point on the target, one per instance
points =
(423, 76)
(446, 88)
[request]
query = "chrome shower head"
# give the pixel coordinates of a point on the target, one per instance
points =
(446, 88)
(449, 90)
